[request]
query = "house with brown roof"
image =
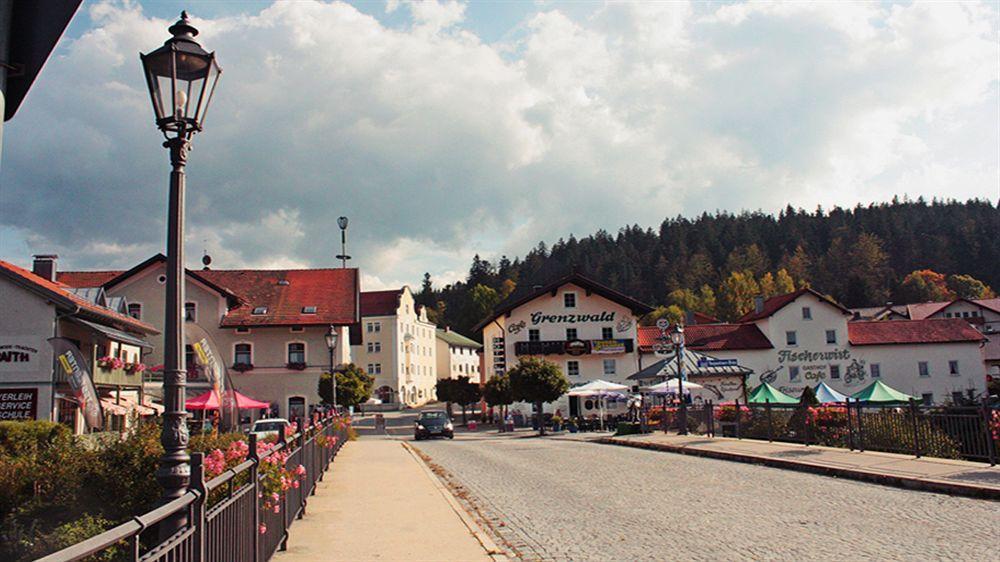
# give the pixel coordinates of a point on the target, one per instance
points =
(34, 307)
(398, 347)
(267, 326)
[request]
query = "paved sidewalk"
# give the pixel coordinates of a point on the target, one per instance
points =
(380, 502)
(929, 474)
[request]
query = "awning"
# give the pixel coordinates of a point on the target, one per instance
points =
(695, 364)
(109, 406)
(111, 333)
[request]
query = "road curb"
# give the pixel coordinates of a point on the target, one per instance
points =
(906, 482)
(492, 550)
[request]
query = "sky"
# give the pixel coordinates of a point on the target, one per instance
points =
(445, 129)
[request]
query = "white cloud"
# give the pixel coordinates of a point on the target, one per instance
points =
(439, 145)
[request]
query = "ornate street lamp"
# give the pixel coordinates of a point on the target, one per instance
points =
(343, 257)
(181, 77)
(331, 344)
(677, 337)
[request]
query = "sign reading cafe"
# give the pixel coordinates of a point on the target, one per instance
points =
(541, 318)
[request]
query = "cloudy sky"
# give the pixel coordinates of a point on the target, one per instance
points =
(445, 129)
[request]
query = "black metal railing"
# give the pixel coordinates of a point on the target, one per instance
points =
(226, 521)
(558, 347)
(956, 432)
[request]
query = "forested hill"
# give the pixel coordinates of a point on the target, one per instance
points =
(863, 256)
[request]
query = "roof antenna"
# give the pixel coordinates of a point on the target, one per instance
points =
(206, 259)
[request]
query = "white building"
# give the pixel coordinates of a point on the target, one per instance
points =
(267, 327)
(398, 347)
(586, 328)
(457, 356)
(802, 338)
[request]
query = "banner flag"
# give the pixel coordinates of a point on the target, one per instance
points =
(205, 359)
(74, 366)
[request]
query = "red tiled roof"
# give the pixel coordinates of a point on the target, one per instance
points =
(936, 330)
(776, 303)
(86, 278)
(380, 303)
(332, 291)
(711, 337)
(922, 310)
(700, 318)
(60, 293)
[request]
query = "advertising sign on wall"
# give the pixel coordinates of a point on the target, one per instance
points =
(19, 354)
(607, 346)
(18, 404)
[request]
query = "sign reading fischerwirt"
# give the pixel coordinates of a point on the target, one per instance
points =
(18, 404)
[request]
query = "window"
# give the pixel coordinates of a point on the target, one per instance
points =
(189, 358)
(242, 354)
(793, 374)
(378, 326)
(569, 300)
(534, 335)
(374, 347)
(573, 368)
(259, 310)
(607, 333)
(834, 371)
(370, 327)
(135, 310)
(296, 353)
(242, 330)
(371, 368)
(923, 369)
(609, 367)
(190, 312)
(953, 368)
(876, 370)
(297, 329)
(378, 368)
(570, 333)
(928, 398)
(807, 313)
(831, 336)
(308, 310)
(790, 338)
(957, 397)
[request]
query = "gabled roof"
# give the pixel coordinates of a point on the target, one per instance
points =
(380, 303)
(919, 311)
(62, 296)
(86, 278)
(456, 339)
(931, 330)
(711, 337)
(776, 303)
(284, 295)
(591, 286)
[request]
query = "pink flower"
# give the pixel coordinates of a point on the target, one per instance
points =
(277, 509)
(300, 470)
(262, 528)
(275, 496)
(295, 484)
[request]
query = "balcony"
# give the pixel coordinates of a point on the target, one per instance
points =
(558, 347)
(116, 377)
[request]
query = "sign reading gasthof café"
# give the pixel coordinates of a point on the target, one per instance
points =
(18, 404)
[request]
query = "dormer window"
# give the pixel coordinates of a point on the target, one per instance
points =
(259, 311)
(284, 283)
(569, 300)
(308, 310)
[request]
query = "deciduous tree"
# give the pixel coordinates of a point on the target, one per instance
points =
(537, 381)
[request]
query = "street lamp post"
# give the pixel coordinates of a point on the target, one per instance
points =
(181, 77)
(343, 257)
(677, 337)
(331, 344)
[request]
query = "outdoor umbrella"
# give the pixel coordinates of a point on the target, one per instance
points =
(767, 393)
(209, 401)
(827, 395)
(880, 393)
(670, 386)
(600, 389)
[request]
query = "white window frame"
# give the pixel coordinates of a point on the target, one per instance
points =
(194, 310)
(377, 325)
(576, 334)
(835, 368)
(876, 370)
(828, 334)
(570, 294)
(791, 338)
(807, 313)
(923, 369)
(129, 311)
(534, 334)
(953, 369)
(242, 343)
(378, 368)
(305, 351)
(607, 333)
(572, 362)
(614, 367)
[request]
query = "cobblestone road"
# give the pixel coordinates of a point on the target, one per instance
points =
(567, 500)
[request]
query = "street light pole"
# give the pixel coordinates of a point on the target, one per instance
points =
(181, 77)
(343, 257)
(677, 336)
(331, 344)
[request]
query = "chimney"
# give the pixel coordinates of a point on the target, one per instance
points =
(44, 266)
(758, 304)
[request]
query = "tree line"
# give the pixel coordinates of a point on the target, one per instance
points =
(901, 251)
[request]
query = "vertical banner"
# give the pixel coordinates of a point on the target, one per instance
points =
(74, 366)
(208, 363)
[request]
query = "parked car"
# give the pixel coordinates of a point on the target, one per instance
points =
(269, 427)
(433, 423)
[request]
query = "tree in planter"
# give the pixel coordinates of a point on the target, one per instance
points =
(447, 393)
(497, 393)
(354, 386)
(537, 381)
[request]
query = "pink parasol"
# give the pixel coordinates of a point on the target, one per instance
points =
(209, 401)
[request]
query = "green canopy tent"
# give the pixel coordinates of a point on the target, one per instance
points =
(880, 393)
(766, 393)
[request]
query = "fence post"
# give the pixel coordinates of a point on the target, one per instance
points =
(770, 422)
(991, 450)
(739, 414)
(711, 419)
(255, 484)
(806, 426)
(850, 424)
(861, 429)
(916, 428)
(302, 457)
(198, 507)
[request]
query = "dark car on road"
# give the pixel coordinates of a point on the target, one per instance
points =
(433, 423)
